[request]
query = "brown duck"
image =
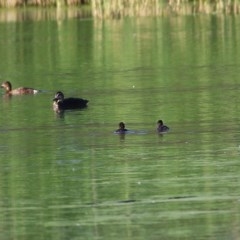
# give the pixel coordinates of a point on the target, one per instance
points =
(18, 91)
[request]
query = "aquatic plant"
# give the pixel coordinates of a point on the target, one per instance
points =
(42, 3)
(121, 8)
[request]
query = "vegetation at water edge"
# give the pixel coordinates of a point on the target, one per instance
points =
(121, 8)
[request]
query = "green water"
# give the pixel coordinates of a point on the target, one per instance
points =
(71, 177)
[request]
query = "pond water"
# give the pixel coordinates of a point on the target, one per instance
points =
(70, 177)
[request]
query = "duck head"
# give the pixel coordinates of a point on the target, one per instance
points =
(59, 96)
(7, 86)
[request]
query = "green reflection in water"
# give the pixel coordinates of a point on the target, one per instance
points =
(71, 177)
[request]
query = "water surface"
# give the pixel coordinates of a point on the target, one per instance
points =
(70, 177)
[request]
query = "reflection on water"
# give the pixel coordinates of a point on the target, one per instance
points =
(71, 177)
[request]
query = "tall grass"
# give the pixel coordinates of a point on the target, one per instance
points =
(43, 3)
(121, 8)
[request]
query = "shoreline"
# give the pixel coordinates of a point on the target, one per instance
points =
(98, 10)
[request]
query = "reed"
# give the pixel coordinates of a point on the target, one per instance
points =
(43, 3)
(121, 8)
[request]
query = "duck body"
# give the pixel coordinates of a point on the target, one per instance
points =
(121, 131)
(18, 91)
(61, 103)
(163, 128)
(72, 103)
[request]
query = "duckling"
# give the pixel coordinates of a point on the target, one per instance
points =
(161, 127)
(121, 128)
(61, 103)
(18, 91)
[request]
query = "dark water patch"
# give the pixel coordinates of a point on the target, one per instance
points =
(127, 201)
(180, 197)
